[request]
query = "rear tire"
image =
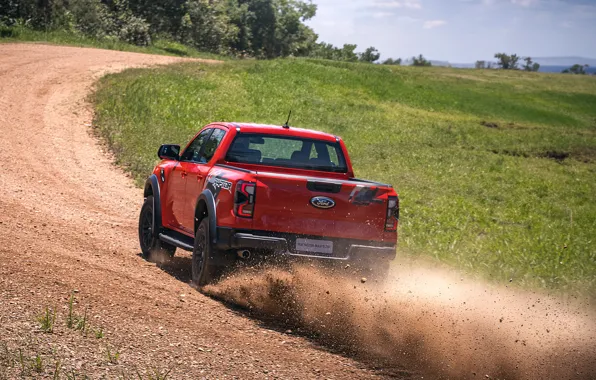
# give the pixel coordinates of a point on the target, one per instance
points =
(203, 269)
(149, 241)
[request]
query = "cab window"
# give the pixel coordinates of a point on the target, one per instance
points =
(212, 143)
(193, 152)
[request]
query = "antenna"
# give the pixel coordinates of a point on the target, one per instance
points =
(287, 125)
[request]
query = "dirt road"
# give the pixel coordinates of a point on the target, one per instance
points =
(68, 222)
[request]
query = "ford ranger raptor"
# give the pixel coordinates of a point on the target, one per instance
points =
(240, 191)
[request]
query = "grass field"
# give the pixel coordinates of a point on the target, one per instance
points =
(60, 37)
(496, 170)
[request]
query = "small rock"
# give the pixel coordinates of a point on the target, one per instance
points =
(363, 280)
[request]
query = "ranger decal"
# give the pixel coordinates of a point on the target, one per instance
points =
(216, 182)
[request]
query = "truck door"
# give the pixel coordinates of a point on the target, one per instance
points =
(179, 179)
(197, 175)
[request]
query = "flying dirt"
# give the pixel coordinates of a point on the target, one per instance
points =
(68, 231)
(426, 319)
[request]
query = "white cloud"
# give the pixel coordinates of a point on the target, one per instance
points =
(430, 24)
(522, 3)
(382, 14)
(525, 3)
(391, 4)
(407, 19)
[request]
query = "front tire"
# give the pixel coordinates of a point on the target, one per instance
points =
(149, 234)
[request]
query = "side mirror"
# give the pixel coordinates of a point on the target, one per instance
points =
(169, 152)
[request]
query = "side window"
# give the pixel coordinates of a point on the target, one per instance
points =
(212, 143)
(333, 156)
(192, 153)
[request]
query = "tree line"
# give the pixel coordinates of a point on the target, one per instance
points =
(244, 28)
(257, 28)
(509, 62)
(512, 62)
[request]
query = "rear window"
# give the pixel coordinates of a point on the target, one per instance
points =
(290, 152)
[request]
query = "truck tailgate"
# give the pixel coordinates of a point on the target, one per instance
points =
(285, 203)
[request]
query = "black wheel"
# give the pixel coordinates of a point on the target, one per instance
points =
(203, 269)
(148, 234)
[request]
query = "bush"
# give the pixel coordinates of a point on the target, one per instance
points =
(92, 18)
(8, 32)
(135, 31)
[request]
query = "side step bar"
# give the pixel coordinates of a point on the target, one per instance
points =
(178, 240)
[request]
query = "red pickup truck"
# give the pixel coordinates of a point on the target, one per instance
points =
(239, 191)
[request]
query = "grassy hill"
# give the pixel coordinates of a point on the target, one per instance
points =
(496, 170)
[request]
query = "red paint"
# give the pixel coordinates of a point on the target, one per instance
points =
(282, 201)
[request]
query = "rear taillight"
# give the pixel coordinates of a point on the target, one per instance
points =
(392, 216)
(244, 199)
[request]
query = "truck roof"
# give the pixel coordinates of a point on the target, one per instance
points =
(282, 131)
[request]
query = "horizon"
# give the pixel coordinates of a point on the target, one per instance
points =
(460, 31)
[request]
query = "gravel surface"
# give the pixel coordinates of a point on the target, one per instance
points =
(77, 299)
(68, 220)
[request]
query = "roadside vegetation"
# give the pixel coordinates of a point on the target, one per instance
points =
(35, 355)
(495, 169)
(262, 29)
(62, 37)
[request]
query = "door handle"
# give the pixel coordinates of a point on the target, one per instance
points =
(184, 174)
(199, 177)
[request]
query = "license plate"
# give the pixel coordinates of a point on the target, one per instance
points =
(314, 246)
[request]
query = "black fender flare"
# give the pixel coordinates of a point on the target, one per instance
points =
(152, 188)
(207, 197)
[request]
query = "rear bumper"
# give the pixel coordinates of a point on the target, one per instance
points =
(285, 244)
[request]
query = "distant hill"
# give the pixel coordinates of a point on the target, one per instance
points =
(558, 69)
(547, 64)
(564, 61)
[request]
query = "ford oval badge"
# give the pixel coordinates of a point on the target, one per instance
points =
(322, 202)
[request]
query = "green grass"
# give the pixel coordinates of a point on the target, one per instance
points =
(61, 37)
(487, 200)
(47, 320)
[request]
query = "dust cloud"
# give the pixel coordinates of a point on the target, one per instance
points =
(424, 320)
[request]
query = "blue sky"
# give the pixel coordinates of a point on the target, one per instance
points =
(460, 31)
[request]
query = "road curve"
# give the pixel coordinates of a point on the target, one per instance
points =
(68, 220)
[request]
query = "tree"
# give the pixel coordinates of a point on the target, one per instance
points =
(507, 62)
(328, 51)
(420, 61)
(370, 55)
(391, 61)
(206, 26)
(530, 66)
(480, 64)
(347, 53)
(576, 69)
